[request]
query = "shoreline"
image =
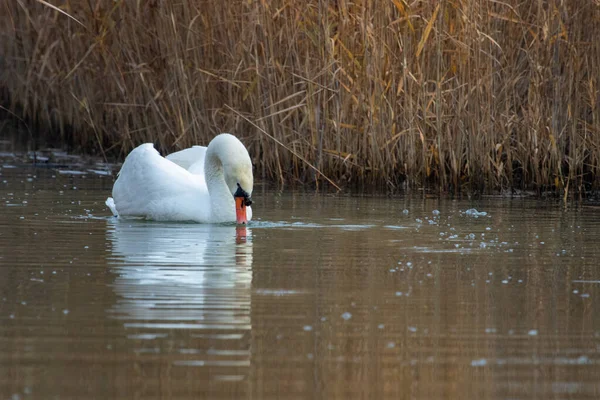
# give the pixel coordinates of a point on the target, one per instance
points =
(66, 163)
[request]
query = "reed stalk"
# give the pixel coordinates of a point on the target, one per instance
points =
(466, 95)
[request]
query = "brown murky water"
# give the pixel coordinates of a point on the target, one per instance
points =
(320, 298)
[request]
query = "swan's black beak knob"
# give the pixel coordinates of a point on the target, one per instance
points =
(242, 200)
(243, 194)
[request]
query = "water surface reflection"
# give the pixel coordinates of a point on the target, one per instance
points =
(184, 289)
(322, 297)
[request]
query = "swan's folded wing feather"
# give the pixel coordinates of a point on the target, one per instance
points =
(110, 202)
(191, 159)
(157, 188)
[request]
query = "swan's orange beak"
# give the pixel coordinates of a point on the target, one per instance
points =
(240, 210)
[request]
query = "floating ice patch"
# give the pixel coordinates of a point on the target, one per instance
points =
(100, 172)
(346, 316)
(472, 212)
(278, 292)
(147, 336)
(479, 363)
(353, 227)
(39, 158)
(582, 360)
(437, 250)
(71, 172)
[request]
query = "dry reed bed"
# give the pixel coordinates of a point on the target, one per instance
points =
(462, 95)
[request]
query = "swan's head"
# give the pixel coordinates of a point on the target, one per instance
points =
(237, 171)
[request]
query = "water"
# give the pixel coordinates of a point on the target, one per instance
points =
(321, 297)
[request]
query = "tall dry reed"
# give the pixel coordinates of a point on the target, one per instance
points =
(463, 95)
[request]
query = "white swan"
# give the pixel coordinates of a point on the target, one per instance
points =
(206, 185)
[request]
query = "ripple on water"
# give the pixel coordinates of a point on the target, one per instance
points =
(300, 297)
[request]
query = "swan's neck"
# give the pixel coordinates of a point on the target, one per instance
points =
(222, 203)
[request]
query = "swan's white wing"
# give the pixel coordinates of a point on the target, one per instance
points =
(191, 159)
(153, 187)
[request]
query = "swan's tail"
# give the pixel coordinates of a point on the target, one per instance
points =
(110, 202)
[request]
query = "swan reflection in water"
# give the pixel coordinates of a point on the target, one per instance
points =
(181, 276)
